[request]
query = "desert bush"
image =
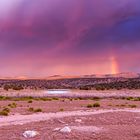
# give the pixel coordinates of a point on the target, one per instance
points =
(55, 98)
(63, 100)
(6, 87)
(6, 110)
(13, 105)
(23, 98)
(132, 106)
(96, 105)
(61, 109)
(31, 109)
(30, 101)
(19, 87)
(46, 99)
(89, 106)
(95, 98)
(129, 98)
(38, 110)
(122, 105)
(85, 88)
(2, 98)
(136, 99)
(12, 86)
(3, 113)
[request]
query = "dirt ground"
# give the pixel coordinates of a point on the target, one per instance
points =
(106, 126)
(121, 121)
(22, 107)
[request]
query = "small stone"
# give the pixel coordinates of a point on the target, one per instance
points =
(56, 129)
(30, 134)
(78, 120)
(66, 129)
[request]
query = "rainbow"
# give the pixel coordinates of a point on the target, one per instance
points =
(114, 66)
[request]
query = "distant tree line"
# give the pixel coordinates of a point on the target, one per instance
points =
(82, 83)
(114, 85)
(13, 87)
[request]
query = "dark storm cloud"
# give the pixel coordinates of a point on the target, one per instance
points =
(85, 30)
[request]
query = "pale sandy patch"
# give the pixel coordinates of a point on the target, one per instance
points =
(18, 119)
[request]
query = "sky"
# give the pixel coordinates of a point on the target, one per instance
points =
(39, 38)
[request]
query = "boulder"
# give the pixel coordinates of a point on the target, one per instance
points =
(66, 129)
(30, 134)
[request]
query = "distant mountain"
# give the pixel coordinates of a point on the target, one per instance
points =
(119, 75)
(86, 82)
(55, 77)
(126, 75)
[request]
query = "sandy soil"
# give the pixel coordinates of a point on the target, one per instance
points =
(66, 104)
(100, 125)
(37, 117)
(115, 119)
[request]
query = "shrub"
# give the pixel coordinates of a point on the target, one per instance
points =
(13, 105)
(31, 109)
(129, 98)
(3, 113)
(132, 106)
(96, 105)
(61, 109)
(38, 110)
(137, 99)
(6, 110)
(55, 98)
(2, 97)
(30, 101)
(95, 98)
(45, 99)
(17, 87)
(14, 87)
(122, 105)
(80, 98)
(30, 97)
(6, 87)
(89, 106)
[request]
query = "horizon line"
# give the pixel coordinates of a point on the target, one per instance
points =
(57, 76)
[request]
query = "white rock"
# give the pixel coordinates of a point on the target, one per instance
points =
(30, 134)
(56, 129)
(78, 120)
(66, 129)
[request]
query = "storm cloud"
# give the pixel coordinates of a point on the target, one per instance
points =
(45, 37)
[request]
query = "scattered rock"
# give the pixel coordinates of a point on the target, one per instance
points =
(61, 121)
(30, 134)
(57, 129)
(66, 129)
(78, 120)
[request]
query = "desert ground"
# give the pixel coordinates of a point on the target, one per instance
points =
(87, 117)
